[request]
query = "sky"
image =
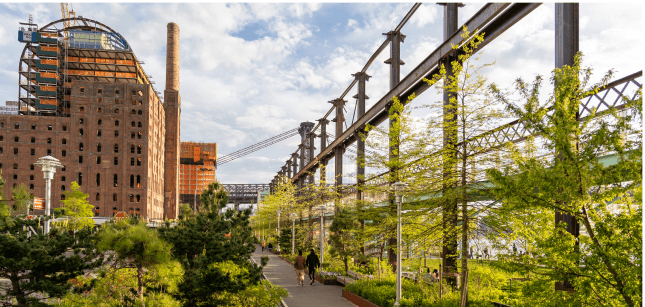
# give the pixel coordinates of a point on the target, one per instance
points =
(253, 71)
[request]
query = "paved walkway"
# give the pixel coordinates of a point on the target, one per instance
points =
(281, 273)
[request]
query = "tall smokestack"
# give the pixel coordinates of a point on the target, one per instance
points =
(172, 104)
(172, 57)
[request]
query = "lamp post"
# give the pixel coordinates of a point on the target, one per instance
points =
(322, 209)
(278, 229)
(293, 232)
(398, 190)
(49, 165)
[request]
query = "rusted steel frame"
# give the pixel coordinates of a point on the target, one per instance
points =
(481, 20)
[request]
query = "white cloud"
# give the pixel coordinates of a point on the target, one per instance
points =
(352, 23)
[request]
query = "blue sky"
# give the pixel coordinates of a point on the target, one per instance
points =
(249, 72)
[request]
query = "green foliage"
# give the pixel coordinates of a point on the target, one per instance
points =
(22, 199)
(77, 209)
(5, 210)
(341, 235)
(253, 294)
(39, 266)
(201, 244)
(134, 246)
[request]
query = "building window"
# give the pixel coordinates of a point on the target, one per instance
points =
(138, 161)
(1, 138)
(98, 196)
(31, 186)
(116, 148)
(33, 126)
(116, 111)
(82, 89)
(62, 188)
(31, 177)
(64, 153)
(98, 179)
(139, 124)
(139, 149)
(80, 131)
(116, 123)
(64, 128)
(138, 212)
(116, 180)
(132, 181)
(15, 151)
(138, 181)
(131, 211)
(133, 124)
(80, 147)
(80, 179)
(116, 92)
(138, 198)
(2, 125)
(0, 165)
(100, 91)
(117, 100)
(98, 133)
(33, 140)
(132, 135)
(62, 197)
(139, 135)
(96, 211)
(131, 198)
(33, 152)
(62, 179)
(64, 142)
(49, 140)
(114, 210)
(140, 112)
(114, 197)
(64, 168)
(15, 177)
(80, 121)
(81, 109)
(0, 150)
(98, 160)
(15, 166)
(116, 160)
(100, 122)
(49, 127)
(80, 159)
(16, 139)
(98, 147)
(116, 133)
(133, 112)
(16, 126)
(31, 167)
(132, 161)
(131, 148)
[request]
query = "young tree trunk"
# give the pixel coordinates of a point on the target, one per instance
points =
(140, 283)
(464, 232)
(17, 291)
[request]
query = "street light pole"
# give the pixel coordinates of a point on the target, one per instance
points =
(278, 230)
(293, 233)
(49, 165)
(321, 237)
(398, 188)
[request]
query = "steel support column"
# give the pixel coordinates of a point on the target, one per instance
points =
(294, 157)
(361, 77)
(449, 248)
(311, 148)
(566, 47)
(289, 168)
(395, 38)
(339, 104)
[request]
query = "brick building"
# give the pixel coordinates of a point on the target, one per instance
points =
(198, 166)
(103, 120)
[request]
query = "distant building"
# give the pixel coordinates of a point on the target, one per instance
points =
(198, 166)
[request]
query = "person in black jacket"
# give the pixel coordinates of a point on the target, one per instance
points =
(312, 264)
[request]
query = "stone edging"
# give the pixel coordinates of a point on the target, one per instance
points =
(357, 300)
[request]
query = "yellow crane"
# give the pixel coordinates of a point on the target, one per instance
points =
(64, 9)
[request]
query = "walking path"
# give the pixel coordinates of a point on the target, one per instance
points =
(281, 273)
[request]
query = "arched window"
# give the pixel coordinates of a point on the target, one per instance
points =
(133, 124)
(116, 148)
(31, 177)
(131, 198)
(100, 121)
(16, 139)
(1, 138)
(99, 110)
(116, 160)
(114, 197)
(81, 109)
(16, 126)
(49, 127)
(96, 211)
(132, 135)
(139, 149)
(116, 133)
(138, 198)
(138, 212)
(31, 186)
(15, 166)
(64, 128)
(98, 160)
(132, 181)
(62, 179)
(33, 126)
(140, 112)
(62, 197)
(33, 140)
(64, 142)
(98, 147)
(138, 161)
(80, 179)
(116, 180)
(80, 131)
(139, 124)
(62, 188)
(98, 179)
(98, 196)
(80, 146)
(131, 148)
(116, 111)
(49, 140)
(98, 132)
(64, 153)
(133, 112)
(116, 123)
(114, 210)
(139, 135)
(138, 181)
(80, 121)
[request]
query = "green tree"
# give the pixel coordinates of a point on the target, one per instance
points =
(200, 243)
(342, 236)
(605, 262)
(77, 209)
(5, 210)
(22, 198)
(134, 246)
(38, 266)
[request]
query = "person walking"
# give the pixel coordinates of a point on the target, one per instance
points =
(299, 265)
(312, 264)
(264, 245)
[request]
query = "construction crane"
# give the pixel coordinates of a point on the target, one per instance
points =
(67, 14)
